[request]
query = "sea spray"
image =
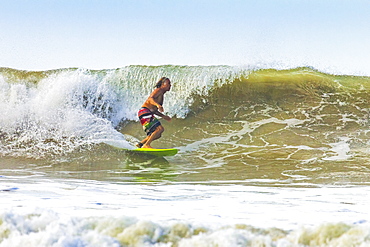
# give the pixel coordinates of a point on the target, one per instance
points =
(63, 112)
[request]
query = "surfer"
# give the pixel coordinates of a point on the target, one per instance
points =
(153, 106)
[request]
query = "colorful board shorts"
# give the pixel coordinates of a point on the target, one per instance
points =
(148, 121)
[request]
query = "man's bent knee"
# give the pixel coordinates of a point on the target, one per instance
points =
(160, 129)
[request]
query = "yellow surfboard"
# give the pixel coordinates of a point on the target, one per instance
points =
(156, 152)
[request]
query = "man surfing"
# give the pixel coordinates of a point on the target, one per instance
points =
(153, 106)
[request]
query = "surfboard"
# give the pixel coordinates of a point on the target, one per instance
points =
(156, 152)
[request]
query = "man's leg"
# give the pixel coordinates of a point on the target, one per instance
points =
(140, 144)
(154, 136)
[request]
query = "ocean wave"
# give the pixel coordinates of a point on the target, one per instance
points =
(47, 228)
(59, 111)
(129, 86)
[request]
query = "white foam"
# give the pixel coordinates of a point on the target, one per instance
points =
(341, 149)
(64, 111)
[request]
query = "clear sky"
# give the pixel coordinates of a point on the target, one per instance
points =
(97, 34)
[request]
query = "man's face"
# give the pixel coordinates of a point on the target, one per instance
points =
(167, 85)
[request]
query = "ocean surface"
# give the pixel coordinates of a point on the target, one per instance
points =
(267, 157)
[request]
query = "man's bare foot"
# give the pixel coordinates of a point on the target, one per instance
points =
(139, 145)
(147, 146)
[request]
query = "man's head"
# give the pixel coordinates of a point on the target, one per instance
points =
(164, 83)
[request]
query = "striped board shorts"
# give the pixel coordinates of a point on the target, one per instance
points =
(148, 120)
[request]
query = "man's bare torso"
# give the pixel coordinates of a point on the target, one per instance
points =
(156, 97)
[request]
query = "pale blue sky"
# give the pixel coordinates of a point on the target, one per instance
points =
(48, 34)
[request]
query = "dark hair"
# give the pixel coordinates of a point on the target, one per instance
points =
(160, 82)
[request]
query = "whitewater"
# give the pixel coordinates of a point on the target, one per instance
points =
(267, 157)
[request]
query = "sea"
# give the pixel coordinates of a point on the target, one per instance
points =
(268, 156)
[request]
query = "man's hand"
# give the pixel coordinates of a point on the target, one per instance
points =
(167, 118)
(160, 108)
